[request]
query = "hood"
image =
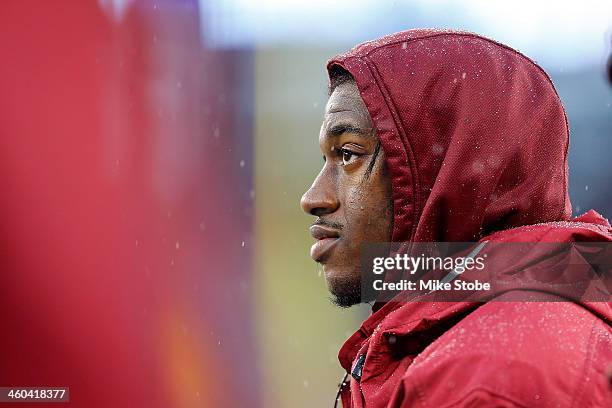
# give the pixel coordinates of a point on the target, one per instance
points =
(474, 133)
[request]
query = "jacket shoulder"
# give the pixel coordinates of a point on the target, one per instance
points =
(517, 355)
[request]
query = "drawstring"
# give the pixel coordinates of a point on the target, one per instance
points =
(340, 387)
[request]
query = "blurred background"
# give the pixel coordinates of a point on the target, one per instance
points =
(152, 157)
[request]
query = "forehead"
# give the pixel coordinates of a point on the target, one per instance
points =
(345, 105)
(345, 97)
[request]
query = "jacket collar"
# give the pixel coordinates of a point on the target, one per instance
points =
(400, 327)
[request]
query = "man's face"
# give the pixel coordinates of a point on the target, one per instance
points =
(351, 196)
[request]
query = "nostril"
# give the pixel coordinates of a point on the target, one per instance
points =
(319, 211)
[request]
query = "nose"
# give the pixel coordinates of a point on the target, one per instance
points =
(321, 198)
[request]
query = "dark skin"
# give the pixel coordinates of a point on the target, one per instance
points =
(351, 196)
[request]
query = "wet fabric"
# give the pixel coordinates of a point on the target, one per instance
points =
(476, 142)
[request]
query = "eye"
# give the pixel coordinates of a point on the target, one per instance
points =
(348, 156)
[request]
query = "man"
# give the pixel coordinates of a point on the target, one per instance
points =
(443, 136)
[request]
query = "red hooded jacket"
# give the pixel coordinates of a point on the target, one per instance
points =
(476, 141)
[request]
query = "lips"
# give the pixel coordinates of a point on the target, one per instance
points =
(326, 240)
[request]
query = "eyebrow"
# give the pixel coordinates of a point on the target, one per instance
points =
(340, 128)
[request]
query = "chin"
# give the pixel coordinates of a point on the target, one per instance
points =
(345, 289)
(339, 276)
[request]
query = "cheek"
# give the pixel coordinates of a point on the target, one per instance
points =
(368, 213)
(355, 201)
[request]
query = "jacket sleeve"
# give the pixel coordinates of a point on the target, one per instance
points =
(509, 354)
(407, 397)
(471, 380)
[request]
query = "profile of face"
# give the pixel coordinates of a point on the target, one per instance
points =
(351, 196)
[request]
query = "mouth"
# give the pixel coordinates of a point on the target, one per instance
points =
(326, 240)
